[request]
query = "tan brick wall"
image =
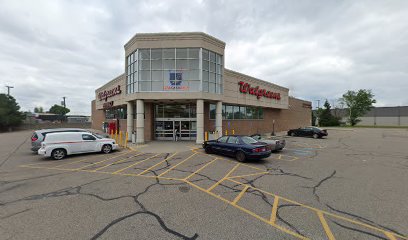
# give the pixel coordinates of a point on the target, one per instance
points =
(148, 132)
(298, 115)
(98, 116)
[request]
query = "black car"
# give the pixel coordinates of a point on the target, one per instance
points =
(314, 132)
(240, 147)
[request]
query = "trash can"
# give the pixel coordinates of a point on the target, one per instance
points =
(134, 137)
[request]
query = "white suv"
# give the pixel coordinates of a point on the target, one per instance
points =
(58, 145)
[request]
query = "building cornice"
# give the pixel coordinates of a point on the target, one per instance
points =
(244, 76)
(116, 79)
(174, 36)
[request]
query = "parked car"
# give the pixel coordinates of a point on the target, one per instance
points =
(60, 144)
(39, 135)
(273, 144)
(314, 132)
(240, 147)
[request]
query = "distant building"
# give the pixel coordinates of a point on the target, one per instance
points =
(78, 119)
(378, 116)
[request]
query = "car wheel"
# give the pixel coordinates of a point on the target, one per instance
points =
(240, 156)
(208, 150)
(106, 148)
(58, 154)
(315, 136)
(292, 134)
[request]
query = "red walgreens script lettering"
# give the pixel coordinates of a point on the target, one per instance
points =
(109, 93)
(258, 92)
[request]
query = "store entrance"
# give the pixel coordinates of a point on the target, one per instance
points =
(166, 129)
(180, 117)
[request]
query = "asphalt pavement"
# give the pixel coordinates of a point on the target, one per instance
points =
(350, 185)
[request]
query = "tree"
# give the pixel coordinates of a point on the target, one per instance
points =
(58, 109)
(358, 104)
(325, 116)
(38, 109)
(10, 116)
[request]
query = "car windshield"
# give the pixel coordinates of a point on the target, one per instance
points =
(316, 128)
(248, 140)
(97, 136)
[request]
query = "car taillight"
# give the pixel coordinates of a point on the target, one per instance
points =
(33, 139)
(261, 149)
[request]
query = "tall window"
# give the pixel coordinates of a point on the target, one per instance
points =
(131, 73)
(212, 72)
(174, 69)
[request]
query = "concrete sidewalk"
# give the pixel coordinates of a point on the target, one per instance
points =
(164, 146)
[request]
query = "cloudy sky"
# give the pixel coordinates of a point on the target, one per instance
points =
(318, 49)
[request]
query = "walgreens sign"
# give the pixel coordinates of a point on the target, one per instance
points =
(245, 88)
(109, 93)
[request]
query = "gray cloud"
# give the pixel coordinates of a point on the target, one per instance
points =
(319, 49)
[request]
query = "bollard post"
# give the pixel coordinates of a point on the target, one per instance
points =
(126, 139)
(120, 138)
(206, 136)
(116, 135)
(226, 132)
(233, 132)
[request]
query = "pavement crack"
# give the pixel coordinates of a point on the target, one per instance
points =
(363, 219)
(144, 210)
(14, 214)
(12, 153)
(315, 187)
(59, 193)
(282, 172)
(358, 230)
(286, 222)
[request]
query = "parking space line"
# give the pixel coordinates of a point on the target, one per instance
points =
(248, 175)
(83, 160)
(324, 212)
(246, 211)
(240, 195)
(110, 164)
(274, 209)
(390, 236)
(94, 164)
(325, 226)
(225, 177)
(157, 164)
(168, 170)
(134, 164)
(200, 169)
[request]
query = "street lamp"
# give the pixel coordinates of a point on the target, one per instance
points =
(8, 89)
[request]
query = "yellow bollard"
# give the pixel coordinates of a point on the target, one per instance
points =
(233, 132)
(126, 139)
(206, 136)
(120, 138)
(226, 132)
(116, 135)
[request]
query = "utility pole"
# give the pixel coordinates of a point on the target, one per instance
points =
(64, 102)
(8, 89)
(318, 103)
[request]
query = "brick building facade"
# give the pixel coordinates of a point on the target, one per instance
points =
(177, 82)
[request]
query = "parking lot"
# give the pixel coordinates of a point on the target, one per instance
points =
(351, 185)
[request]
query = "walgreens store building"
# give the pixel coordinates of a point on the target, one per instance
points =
(179, 81)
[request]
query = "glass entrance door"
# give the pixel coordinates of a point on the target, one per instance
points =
(165, 129)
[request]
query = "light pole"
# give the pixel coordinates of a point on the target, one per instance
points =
(8, 89)
(273, 127)
(64, 102)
